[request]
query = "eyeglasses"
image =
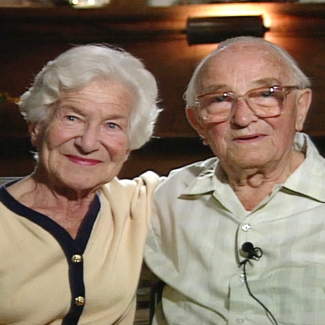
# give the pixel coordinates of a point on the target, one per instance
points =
(264, 102)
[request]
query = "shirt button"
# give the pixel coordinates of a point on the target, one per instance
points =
(242, 277)
(240, 321)
(76, 258)
(79, 301)
(246, 227)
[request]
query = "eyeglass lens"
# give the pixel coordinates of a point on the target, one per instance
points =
(265, 102)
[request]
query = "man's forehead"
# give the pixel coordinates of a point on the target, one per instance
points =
(239, 53)
(252, 62)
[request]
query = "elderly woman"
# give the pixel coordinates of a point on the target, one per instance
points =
(71, 233)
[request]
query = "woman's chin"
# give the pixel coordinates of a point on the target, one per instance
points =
(80, 185)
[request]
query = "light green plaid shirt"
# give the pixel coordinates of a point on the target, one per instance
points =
(198, 227)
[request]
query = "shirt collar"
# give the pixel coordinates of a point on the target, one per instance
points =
(306, 179)
(203, 183)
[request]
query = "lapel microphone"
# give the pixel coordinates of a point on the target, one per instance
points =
(253, 253)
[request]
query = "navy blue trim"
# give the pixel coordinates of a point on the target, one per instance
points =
(69, 246)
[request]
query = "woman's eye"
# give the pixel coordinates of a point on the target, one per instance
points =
(71, 118)
(112, 125)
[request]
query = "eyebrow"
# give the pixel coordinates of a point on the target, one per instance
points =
(75, 109)
(267, 82)
(63, 107)
(214, 88)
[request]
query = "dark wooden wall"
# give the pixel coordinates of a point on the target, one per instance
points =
(32, 36)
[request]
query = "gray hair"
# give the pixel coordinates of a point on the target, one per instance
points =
(77, 67)
(300, 79)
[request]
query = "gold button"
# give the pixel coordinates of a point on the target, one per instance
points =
(76, 258)
(79, 301)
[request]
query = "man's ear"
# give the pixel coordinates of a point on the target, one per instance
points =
(194, 120)
(303, 102)
(34, 132)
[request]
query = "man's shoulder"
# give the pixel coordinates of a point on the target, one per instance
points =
(196, 168)
(185, 175)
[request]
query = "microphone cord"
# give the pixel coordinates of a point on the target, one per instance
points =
(251, 294)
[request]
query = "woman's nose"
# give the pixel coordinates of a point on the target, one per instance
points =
(88, 140)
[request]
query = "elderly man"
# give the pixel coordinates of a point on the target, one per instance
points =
(239, 239)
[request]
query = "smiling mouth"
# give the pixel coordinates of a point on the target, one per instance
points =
(82, 161)
(249, 138)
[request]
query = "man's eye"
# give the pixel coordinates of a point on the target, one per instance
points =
(219, 98)
(266, 94)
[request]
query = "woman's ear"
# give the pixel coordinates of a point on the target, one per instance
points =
(303, 102)
(127, 154)
(34, 132)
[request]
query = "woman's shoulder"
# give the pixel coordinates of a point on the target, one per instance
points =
(18, 187)
(145, 182)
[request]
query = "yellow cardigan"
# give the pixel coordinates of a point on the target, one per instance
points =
(45, 274)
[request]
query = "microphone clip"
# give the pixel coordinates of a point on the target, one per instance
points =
(250, 252)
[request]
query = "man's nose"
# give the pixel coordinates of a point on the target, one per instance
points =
(243, 114)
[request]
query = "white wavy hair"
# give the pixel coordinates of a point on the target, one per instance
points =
(298, 76)
(77, 67)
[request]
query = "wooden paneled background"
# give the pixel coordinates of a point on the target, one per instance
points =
(33, 35)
